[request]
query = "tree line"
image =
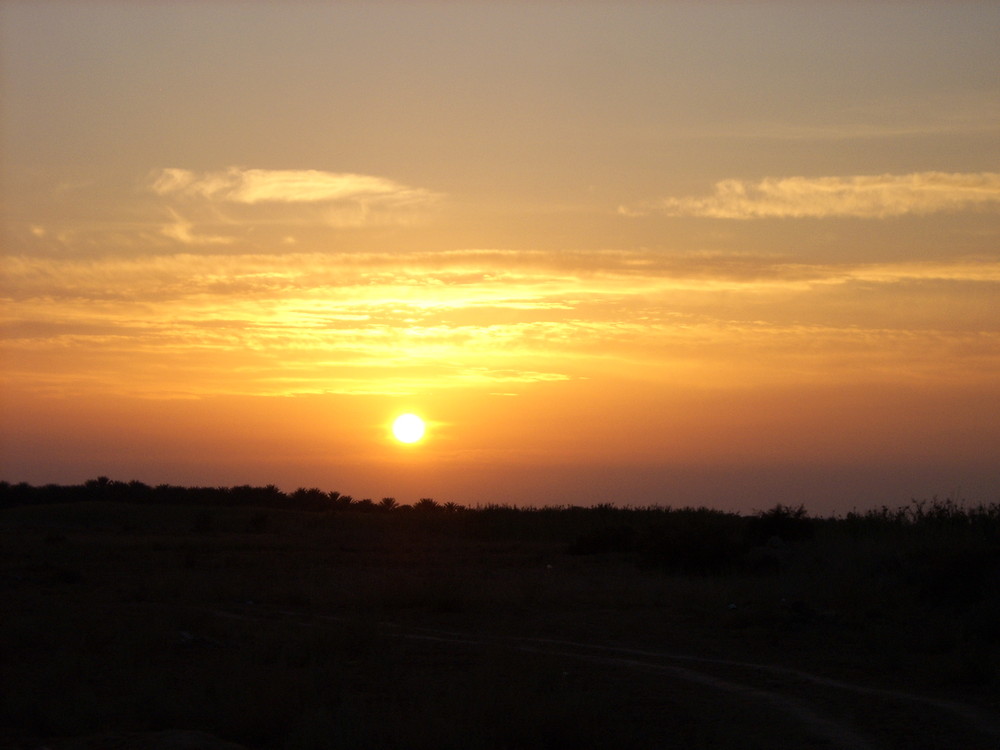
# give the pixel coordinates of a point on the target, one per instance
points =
(104, 489)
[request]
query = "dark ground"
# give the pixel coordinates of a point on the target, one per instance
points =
(130, 625)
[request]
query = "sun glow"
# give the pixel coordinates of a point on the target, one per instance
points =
(408, 428)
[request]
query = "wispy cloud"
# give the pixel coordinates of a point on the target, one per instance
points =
(240, 197)
(862, 196)
(238, 185)
(456, 279)
(367, 322)
(182, 231)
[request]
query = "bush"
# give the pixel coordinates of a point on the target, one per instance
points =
(785, 522)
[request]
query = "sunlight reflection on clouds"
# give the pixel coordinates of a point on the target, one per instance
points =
(338, 323)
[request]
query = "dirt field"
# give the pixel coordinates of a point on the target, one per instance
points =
(179, 627)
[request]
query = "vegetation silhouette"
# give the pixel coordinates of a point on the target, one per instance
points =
(950, 547)
(270, 618)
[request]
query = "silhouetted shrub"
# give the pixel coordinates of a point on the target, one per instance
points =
(785, 522)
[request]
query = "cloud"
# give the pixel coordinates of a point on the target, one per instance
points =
(863, 196)
(276, 324)
(236, 185)
(181, 230)
(281, 199)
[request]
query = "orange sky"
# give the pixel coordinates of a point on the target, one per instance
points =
(675, 253)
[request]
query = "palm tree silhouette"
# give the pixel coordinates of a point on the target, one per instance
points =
(426, 503)
(388, 503)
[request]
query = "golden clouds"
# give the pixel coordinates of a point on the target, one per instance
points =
(282, 186)
(866, 196)
(281, 196)
(182, 231)
(262, 324)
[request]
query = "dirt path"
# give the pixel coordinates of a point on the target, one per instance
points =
(829, 710)
(834, 733)
(986, 724)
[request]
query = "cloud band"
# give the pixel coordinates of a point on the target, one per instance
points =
(236, 185)
(863, 196)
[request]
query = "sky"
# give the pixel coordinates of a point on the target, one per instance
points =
(672, 253)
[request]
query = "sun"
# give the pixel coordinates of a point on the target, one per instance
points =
(408, 428)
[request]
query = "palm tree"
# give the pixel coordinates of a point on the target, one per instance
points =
(308, 499)
(341, 502)
(388, 503)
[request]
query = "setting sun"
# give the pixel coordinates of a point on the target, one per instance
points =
(703, 254)
(408, 428)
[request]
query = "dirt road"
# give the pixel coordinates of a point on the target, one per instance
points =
(830, 713)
